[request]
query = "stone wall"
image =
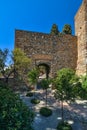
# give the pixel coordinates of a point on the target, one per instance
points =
(81, 33)
(56, 51)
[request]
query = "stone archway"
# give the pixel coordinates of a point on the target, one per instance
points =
(43, 60)
(44, 67)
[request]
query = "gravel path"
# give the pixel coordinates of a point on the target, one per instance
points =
(75, 114)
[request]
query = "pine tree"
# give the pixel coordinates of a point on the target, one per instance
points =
(67, 29)
(54, 29)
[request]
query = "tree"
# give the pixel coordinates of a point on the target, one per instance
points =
(83, 90)
(33, 76)
(66, 83)
(67, 29)
(84, 82)
(3, 57)
(21, 63)
(45, 85)
(54, 30)
(45, 111)
(5, 69)
(14, 114)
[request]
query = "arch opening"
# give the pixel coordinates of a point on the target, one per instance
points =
(44, 70)
(44, 73)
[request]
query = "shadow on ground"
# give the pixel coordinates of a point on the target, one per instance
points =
(75, 114)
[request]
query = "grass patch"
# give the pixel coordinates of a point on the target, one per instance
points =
(44, 111)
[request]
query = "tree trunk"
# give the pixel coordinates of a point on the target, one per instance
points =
(62, 111)
(35, 90)
(6, 80)
(34, 93)
(46, 97)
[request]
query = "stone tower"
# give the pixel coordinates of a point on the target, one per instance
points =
(81, 33)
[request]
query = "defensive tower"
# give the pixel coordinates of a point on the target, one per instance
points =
(81, 33)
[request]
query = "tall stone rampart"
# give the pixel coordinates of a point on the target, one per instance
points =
(56, 51)
(81, 33)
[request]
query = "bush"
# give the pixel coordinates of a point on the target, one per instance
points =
(35, 101)
(29, 94)
(3, 85)
(64, 126)
(14, 115)
(44, 111)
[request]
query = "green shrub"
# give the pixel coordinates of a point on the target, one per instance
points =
(29, 94)
(44, 111)
(64, 126)
(35, 101)
(14, 115)
(3, 85)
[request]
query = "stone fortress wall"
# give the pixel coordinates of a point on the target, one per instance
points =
(65, 51)
(56, 51)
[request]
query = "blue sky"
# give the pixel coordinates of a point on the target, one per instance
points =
(34, 15)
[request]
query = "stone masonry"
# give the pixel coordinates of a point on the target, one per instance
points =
(65, 51)
(81, 33)
(57, 52)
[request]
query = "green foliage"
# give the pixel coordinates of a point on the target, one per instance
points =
(44, 111)
(35, 101)
(84, 82)
(3, 85)
(67, 29)
(66, 84)
(5, 70)
(3, 58)
(64, 126)
(22, 64)
(54, 30)
(45, 83)
(14, 115)
(33, 76)
(21, 61)
(83, 88)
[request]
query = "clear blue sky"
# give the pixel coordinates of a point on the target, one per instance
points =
(34, 15)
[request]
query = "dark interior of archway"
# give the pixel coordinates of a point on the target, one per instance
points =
(44, 68)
